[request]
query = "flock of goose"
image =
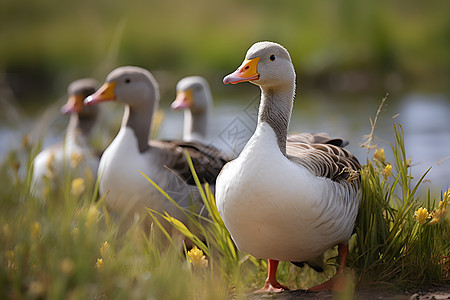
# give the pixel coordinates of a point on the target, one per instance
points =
(287, 198)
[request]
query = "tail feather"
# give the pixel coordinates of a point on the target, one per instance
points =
(317, 263)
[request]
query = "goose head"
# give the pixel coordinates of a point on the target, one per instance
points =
(78, 91)
(193, 93)
(267, 65)
(129, 85)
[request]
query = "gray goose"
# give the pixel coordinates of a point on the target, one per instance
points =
(194, 96)
(127, 191)
(71, 157)
(287, 199)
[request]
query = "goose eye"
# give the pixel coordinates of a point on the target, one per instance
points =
(128, 80)
(272, 57)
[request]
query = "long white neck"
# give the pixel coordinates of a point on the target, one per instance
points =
(139, 119)
(275, 109)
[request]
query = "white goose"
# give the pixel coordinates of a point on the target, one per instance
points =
(194, 96)
(72, 156)
(287, 200)
(127, 191)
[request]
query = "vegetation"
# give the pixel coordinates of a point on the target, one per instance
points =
(400, 238)
(49, 43)
(68, 246)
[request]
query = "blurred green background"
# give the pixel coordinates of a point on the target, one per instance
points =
(343, 46)
(347, 53)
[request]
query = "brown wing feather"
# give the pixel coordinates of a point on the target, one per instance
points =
(326, 158)
(207, 160)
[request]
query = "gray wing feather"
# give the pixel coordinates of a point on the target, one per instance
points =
(207, 160)
(323, 156)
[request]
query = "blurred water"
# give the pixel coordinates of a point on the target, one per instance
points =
(426, 122)
(424, 117)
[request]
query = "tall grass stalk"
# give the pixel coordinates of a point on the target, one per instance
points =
(208, 233)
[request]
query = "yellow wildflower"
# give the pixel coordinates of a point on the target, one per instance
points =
(99, 263)
(433, 221)
(196, 258)
(447, 195)
(441, 210)
(445, 200)
(421, 215)
(437, 215)
(76, 159)
(440, 213)
(443, 204)
(67, 266)
(35, 230)
(78, 187)
(104, 250)
(379, 155)
(387, 171)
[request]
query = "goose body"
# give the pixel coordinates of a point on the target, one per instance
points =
(286, 198)
(130, 155)
(127, 189)
(194, 97)
(71, 157)
(277, 209)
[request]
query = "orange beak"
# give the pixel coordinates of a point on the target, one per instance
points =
(246, 72)
(104, 93)
(73, 105)
(183, 100)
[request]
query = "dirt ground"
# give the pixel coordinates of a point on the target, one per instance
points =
(424, 293)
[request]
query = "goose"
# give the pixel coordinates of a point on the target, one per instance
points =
(194, 96)
(287, 199)
(74, 154)
(130, 155)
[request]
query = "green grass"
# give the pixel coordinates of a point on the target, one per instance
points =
(67, 247)
(392, 245)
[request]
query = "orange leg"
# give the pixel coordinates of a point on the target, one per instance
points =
(271, 284)
(338, 282)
